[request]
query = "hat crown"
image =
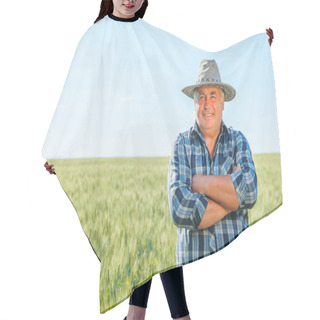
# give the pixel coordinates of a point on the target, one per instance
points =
(209, 76)
(208, 72)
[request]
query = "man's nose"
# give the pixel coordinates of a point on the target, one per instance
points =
(205, 102)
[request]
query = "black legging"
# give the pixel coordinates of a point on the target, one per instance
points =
(172, 281)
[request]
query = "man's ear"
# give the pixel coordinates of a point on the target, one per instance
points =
(195, 105)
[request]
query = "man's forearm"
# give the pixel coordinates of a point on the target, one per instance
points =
(218, 188)
(221, 190)
(213, 214)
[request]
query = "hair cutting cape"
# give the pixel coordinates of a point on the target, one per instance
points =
(115, 128)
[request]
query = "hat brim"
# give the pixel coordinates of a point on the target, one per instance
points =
(229, 91)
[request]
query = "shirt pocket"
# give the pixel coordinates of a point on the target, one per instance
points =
(227, 166)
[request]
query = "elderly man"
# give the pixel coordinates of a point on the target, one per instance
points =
(212, 179)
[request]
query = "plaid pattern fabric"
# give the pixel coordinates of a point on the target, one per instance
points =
(190, 157)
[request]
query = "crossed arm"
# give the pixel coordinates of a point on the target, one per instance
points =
(200, 201)
(213, 214)
(222, 194)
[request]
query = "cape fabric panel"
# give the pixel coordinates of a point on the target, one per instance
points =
(122, 121)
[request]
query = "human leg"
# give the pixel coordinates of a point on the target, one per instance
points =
(138, 302)
(172, 281)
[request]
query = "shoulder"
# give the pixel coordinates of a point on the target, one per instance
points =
(240, 138)
(235, 138)
(94, 32)
(182, 143)
(91, 43)
(241, 141)
(184, 138)
(234, 135)
(155, 30)
(166, 38)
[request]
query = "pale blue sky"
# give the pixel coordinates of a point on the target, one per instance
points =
(123, 98)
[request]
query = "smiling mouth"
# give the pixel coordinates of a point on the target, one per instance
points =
(129, 6)
(208, 115)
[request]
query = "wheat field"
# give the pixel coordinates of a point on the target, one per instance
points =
(123, 208)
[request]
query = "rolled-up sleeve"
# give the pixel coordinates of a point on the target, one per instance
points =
(186, 208)
(245, 179)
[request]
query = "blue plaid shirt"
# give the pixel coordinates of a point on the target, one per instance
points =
(190, 157)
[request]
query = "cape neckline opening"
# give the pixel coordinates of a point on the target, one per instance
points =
(113, 17)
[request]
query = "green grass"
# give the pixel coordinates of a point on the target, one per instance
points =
(123, 208)
(268, 169)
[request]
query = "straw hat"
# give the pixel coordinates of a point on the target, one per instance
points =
(209, 76)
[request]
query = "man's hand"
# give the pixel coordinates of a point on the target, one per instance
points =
(237, 168)
(199, 183)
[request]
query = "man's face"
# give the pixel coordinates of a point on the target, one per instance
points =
(209, 106)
